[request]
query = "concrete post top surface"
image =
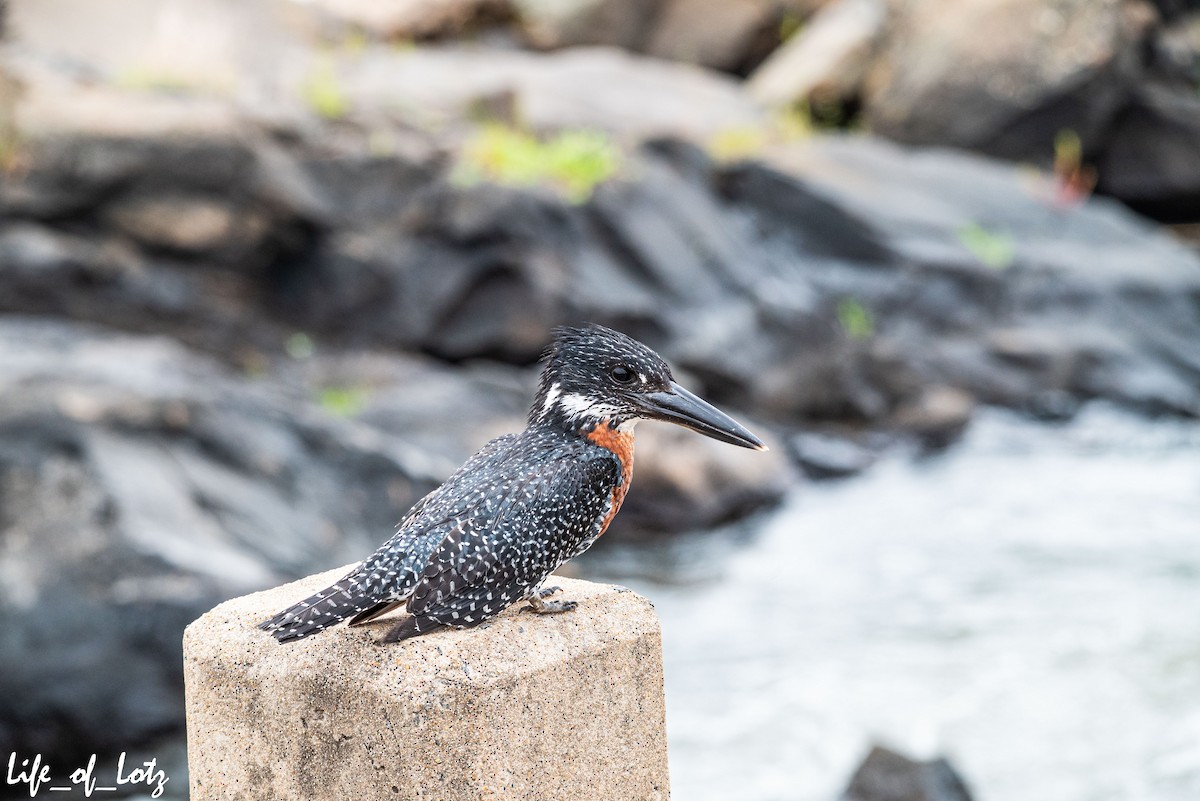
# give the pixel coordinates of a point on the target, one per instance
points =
(514, 643)
(567, 707)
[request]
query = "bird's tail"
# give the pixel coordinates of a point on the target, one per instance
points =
(318, 612)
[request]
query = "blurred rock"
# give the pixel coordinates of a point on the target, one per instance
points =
(729, 35)
(821, 455)
(190, 225)
(451, 411)
(827, 60)
(1005, 77)
(1152, 160)
(172, 235)
(1175, 50)
(554, 24)
(496, 292)
(684, 482)
(224, 69)
(886, 775)
(937, 417)
(896, 271)
(1173, 9)
(720, 34)
(140, 485)
(416, 19)
(633, 96)
(981, 257)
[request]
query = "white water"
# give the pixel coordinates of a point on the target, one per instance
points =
(1027, 603)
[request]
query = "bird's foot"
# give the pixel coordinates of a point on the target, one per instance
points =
(540, 606)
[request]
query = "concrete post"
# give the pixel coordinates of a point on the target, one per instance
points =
(523, 707)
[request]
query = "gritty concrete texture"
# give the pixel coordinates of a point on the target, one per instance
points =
(525, 707)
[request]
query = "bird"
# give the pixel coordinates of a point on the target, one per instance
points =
(525, 503)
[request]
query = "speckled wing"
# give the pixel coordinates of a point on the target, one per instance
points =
(496, 555)
(388, 575)
(392, 571)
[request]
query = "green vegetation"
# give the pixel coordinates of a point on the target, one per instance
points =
(343, 401)
(791, 24)
(300, 346)
(747, 141)
(735, 144)
(993, 250)
(149, 80)
(1068, 150)
(355, 42)
(323, 91)
(572, 163)
(789, 124)
(1074, 179)
(856, 320)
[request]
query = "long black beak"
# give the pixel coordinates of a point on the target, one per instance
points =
(683, 408)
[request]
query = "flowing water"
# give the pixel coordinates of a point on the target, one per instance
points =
(1027, 603)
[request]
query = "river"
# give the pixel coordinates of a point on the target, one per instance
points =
(1027, 603)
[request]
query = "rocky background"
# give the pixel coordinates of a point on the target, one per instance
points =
(269, 270)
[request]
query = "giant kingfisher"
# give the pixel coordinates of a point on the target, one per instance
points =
(525, 503)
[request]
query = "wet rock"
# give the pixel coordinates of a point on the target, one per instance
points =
(140, 485)
(886, 775)
(822, 455)
(1004, 78)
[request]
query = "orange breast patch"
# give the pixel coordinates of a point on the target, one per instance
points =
(621, 444)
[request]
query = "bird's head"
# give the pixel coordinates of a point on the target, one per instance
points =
(594, 374)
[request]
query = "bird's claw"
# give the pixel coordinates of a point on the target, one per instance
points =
(539, 606)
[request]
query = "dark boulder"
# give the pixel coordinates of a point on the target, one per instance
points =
(1152, 159)
(182, 236)
(886, 775)
(458, 273)
(990, 287)
(824, 455)
(140, 484)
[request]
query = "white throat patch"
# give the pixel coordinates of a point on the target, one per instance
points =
(578, 408)
(581, 406)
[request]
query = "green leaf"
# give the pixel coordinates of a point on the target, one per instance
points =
(856, 320)
(993, 250)
(572, 163)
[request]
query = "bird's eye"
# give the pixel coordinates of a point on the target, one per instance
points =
(622, 375)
